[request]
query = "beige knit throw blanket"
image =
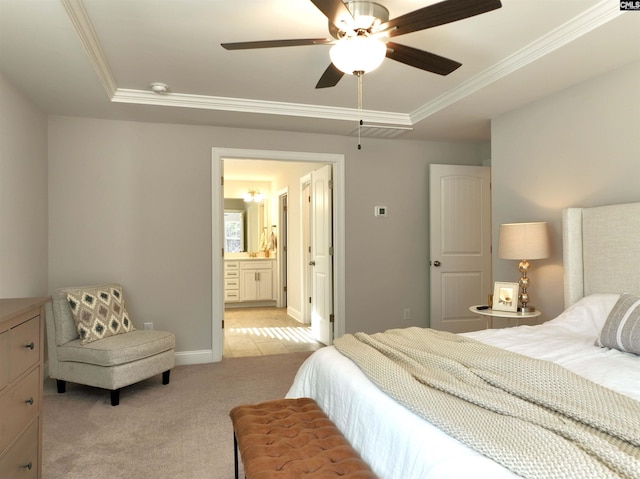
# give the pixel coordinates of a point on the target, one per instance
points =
(534, 417)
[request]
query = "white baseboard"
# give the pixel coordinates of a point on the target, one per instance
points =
(185, 358)
(294, 313)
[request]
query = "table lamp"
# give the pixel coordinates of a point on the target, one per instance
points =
(524, 242)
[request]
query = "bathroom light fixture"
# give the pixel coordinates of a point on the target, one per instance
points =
(358, 54)
(159, 88)
(253, 196)
(520, 241)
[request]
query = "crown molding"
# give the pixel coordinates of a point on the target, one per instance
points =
(205, 102)
(83, 27)
(598, 15)
(582, 24)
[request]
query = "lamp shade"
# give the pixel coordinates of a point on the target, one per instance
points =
(523, 241)
(358, 54)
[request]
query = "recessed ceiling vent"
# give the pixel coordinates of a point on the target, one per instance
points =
(380, 131)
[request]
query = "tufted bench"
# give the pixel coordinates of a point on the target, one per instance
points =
(291, 439)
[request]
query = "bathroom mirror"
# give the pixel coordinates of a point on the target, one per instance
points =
(243, 224)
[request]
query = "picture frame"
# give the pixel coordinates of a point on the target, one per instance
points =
(505, 297)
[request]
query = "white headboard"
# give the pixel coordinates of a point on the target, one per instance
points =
(601, 250)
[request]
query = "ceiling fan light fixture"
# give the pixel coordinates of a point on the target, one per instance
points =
(358, 54)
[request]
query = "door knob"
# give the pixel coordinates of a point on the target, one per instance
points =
(312, 263)
(436, 263)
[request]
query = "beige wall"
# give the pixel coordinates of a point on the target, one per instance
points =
(131, 202)
(579, 147)
(23, 195)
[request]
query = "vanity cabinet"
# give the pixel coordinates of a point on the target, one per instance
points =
(231, 281)
(256, 280)
(248, 280)
(21, 376)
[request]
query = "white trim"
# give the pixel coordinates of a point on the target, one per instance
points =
(263, 107)
(578, 26)
(89, 39)
(295, 314)
(217, 293)
(601, 13)
(281, 242)
(186, 358)
(305, 293)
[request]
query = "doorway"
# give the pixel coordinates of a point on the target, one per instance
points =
(290, 159)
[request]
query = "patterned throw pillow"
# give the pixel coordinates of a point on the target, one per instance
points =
(622, 329)
(99, 313)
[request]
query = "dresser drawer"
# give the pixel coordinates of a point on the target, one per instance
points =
(232, 273)
(19, 405)
(232, 283)
(21, 460)
(231, 296)
(256, 264)
(228, 265)
(24, 347)
(4, 359)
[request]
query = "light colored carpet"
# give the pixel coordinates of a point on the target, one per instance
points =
(178, 431)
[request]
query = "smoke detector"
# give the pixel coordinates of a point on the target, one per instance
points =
(159, 88)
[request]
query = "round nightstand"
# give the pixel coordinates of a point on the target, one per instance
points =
(501, 314)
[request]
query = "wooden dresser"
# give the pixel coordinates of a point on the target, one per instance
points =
(21, 376)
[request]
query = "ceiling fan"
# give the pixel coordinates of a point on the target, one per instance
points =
(361, 29)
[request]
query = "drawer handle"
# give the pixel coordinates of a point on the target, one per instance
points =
(28, 466)
(29, 401)
(31, 345)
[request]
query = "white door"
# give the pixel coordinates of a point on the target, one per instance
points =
(460, 245)
(321, 256)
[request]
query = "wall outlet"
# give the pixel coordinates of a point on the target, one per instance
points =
(148, 325)
(406, 314)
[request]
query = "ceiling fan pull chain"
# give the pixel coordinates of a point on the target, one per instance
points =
(360, 123)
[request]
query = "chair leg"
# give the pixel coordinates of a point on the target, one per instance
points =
(115, 397)
(235, 453)
(165, 377)
(62, 386)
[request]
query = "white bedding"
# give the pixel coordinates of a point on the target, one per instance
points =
(397, 444)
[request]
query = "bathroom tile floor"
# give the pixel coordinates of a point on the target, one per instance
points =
(262, 331)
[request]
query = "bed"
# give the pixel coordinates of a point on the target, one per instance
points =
(601, 254)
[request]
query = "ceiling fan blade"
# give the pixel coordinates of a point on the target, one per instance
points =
(421, 59)
(276, 43)
(438, 14)
(335, 10)
(330, 77)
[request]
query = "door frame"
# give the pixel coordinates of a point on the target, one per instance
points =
(305, 241)
(218, 155)
(283, 223)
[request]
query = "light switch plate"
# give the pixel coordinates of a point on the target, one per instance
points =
(380, 211)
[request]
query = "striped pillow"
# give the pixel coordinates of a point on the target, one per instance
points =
(622, 329)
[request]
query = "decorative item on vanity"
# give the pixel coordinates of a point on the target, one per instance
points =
(272, 242)
(524, 242)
